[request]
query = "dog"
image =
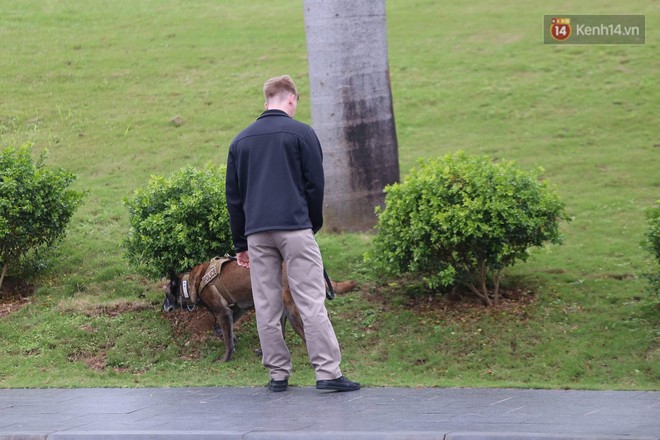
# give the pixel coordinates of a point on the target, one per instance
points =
(224, 288)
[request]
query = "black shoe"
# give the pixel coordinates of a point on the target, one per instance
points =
(277, 386)
(339, 384)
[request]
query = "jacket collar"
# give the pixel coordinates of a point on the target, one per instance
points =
(273, 113)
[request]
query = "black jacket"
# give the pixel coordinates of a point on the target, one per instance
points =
(274, 178)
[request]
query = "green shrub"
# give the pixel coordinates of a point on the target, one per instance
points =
(461, 219)
(179, 222)
(36, 204)
(652, 241)
(652, 244)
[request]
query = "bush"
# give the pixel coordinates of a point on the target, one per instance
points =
(179, 222)
(652, 244)
(35, 204)
(652, 241)
(462, 219)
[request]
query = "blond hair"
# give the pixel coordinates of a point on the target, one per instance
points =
(279, 85)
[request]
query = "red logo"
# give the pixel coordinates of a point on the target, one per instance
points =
(560, 29)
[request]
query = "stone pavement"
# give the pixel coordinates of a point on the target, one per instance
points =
(305, 413)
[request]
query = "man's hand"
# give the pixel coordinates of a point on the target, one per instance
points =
(243, 259)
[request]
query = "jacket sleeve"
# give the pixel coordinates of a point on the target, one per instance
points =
(235, 205)
(313, 178)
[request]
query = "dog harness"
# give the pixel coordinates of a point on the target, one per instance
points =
(188, 296)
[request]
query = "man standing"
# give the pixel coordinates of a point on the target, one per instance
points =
(275, 199)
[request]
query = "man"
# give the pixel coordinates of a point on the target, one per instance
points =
(275, 199)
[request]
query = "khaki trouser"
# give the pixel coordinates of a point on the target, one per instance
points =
(301, 254)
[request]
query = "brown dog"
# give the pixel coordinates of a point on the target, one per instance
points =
(224, 288)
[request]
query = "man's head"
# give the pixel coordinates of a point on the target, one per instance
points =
(281, 94)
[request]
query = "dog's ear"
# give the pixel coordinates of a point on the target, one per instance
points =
(173, 276)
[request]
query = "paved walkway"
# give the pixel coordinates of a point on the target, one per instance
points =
(305, 413)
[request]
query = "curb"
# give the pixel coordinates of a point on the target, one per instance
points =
(304, 435)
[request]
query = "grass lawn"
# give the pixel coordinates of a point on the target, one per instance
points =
(121, 92)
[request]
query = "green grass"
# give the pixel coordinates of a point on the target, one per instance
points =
(99, 87)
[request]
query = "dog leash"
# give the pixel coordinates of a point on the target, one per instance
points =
(329, 292)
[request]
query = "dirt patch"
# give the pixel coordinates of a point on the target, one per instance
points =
(512, 300)
(199, 323)
(14, 295)
(97, 362)
(513, 303)
(619, 276)
(91, 308)
(196, 327)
